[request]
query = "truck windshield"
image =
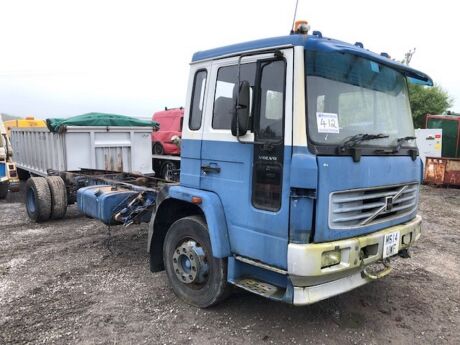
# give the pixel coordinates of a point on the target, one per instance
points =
(349, 95)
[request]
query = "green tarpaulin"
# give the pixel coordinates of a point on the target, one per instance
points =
(98, 119)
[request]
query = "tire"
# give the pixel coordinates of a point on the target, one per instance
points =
(38, 199)
(4, 190)
(23, 174)
(210, 285)
(58, 197)
(158, 149)
(166, 172)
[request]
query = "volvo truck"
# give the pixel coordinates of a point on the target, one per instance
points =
(299, 174)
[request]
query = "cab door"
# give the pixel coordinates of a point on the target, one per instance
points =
(251, 177)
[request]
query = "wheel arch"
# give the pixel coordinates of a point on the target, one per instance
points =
(174, 203)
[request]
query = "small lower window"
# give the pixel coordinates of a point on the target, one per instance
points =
(196, 106)
(267, 186)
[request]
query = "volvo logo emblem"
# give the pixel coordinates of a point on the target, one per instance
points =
(389, 203)
(387, 206)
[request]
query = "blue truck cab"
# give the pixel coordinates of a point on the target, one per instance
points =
(299, 172)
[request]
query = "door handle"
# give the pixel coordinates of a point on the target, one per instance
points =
(210, 168)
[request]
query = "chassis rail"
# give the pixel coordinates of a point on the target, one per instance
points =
(134, 208)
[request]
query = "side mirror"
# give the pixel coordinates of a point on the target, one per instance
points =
(240, 119)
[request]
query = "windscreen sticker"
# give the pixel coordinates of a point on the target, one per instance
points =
(327, 122)
(375, 67)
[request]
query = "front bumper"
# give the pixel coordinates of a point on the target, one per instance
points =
(313, 283)
(171, 148)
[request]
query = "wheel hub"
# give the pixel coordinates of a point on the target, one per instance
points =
(190, 263)
(30, 200)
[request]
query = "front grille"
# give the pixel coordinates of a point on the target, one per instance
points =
(363, 207)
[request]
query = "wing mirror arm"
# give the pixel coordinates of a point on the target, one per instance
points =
(240, 119)
(241, 99)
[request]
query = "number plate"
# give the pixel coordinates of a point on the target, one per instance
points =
(391, 244)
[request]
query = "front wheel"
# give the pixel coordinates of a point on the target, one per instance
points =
(195, 275)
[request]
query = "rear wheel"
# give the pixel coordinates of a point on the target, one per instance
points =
(158, 149)
(38, 199)
(4, 190)
(195, 275)
(58, 196)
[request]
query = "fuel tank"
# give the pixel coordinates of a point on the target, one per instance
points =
(103, 201)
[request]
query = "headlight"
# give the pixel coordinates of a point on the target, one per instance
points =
(330, 258)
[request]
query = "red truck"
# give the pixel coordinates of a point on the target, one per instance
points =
(166, 141)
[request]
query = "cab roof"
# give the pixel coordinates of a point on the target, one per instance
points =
(313, 42)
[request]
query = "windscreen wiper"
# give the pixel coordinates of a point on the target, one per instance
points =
(396, 149)
(413, 152)
(400, 141)
(352, 142)
(358, 138)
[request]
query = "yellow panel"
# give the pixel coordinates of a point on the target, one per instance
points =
(23, 123)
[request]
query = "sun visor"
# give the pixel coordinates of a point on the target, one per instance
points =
(427, 82)
(413, 76)
(330, 45)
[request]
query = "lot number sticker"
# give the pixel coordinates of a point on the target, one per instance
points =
(327, 122)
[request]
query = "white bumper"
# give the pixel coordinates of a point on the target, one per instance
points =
(312, 294)
(313, 283)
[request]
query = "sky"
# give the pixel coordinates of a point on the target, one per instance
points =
(64, 58)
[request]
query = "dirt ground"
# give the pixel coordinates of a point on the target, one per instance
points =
(69, 282)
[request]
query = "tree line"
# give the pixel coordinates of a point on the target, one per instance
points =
(427, 100)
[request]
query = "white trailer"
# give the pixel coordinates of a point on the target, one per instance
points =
(124, 149)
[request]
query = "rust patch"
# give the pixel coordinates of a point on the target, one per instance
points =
(434, 170)
(119, 161)
(452, 175)
(442, 171)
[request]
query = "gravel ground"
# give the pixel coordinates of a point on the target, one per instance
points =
(71, 282)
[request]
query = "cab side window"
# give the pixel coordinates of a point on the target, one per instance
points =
(269, 128)
(270, 121)
(223, 98)
(196, 107)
